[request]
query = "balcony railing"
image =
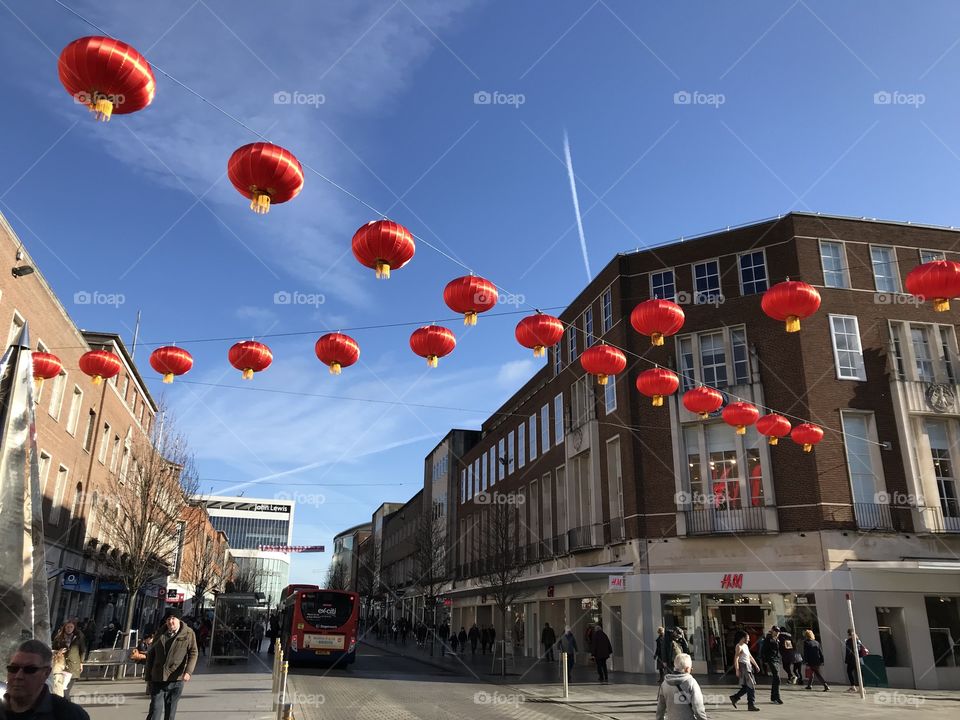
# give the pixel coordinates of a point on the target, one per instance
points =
(560, 545)
(874, 516)
(585, 537)
(533, 552)
(935, 520)
(708, 521)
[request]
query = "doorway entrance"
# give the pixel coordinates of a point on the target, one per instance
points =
(726, 615)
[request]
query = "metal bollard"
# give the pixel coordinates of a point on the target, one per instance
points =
(282, 694)
(565, 673)
(287, 712)
(275, 689)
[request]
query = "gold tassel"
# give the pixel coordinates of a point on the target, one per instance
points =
(658, 400)
(539, 351)
(793, 323)
(656, 339)
(704, 416)
(168, 378)
(247, 373)
(807, 447)
(601, 379)
(102, 109)
(37, 384)
(97, 379)
(741, 429)
(260, 202)
(432, 361)
(773, 440)
(335, 368)
(383, 270)
(941, 304)
(470, 318)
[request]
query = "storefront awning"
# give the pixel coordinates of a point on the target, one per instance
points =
(907, 565)
(568, 575)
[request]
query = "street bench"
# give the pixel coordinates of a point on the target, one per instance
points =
(107, 658)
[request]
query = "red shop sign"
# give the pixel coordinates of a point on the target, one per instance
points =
(732, 580)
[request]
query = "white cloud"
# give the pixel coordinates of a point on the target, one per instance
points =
(512, 374)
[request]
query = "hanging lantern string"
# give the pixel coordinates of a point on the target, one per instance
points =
(377, 212)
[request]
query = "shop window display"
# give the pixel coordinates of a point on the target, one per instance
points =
(943, 616)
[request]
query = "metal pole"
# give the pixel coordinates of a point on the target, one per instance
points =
(275, 691)
(282, 695)
(856, 648)
(565, 674)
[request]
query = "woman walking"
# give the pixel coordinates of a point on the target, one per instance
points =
(745, 664)
(851, 658)
(813, 657)
(69, 647)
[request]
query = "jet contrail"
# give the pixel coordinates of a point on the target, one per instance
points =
(576, 203)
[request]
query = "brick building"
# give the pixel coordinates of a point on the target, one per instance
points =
(398, 563)
(346, 552)
(641, 516)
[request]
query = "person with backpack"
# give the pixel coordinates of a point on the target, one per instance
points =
(744, 664)
(672, 645)
(658, 655)
(568, 645)
(771, 658)
(851, 658)
(790, 656)
(813, 658)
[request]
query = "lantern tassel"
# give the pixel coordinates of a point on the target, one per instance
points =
(941, 304)
(168, 378)
(741, 429)
(793, 323)
(432, 361)
(383, 270)
(335, 368)
(704, 416)
(656, 339)
(658, 400)
(539, 351)
(37, 384)
(260, 202)
(807, 447)
(247, 374)
(773, 440)
(97, 379)
(470, 318)
(601, 379)
(102, 109)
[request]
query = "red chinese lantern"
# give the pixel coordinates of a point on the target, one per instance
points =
(791, 301)
(739, 415)
(250, 357)
(939, 280)
(657, 382)
(539, 332)
(267, 174)
(470, 295)
(106, 75)
(337, 351)
(657, 318)
(602, 361)
(702, 400)
(432, 342)
(807, 434)
(100, 365)
(384, 246)
(774, 427)
(46, 366)
(171, 361)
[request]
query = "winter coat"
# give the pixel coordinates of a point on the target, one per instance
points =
(50, 707)
(848, 655)
(670, 647)
(75, 648)
(680, 698)
(600, 646)
(474, 635)
(770, 652)
(789, 652)
(548, 637)
(567, 643)
(812, 653)
(170, 658)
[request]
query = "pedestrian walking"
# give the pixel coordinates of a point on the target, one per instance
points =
(771, 656)
(658, 655)
(548, 638)
(601, 649)
(462, 640)
(27, 695)
(258, 633)
(69, 650)
(484, 639)
(851, 658)
(568, 645)
(790, 656)
(671, 645)
(680, 697)
(813, 658)
(474, 636)
(745, 665)
(171, 660)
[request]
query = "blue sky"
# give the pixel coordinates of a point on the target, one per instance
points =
(783, 114)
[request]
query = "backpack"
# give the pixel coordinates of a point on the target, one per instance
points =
(675, 648)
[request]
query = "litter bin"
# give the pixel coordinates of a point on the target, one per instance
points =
(874, 671)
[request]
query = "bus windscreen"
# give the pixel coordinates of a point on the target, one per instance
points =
(326, 610)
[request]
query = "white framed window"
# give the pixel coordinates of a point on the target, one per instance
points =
(931, 255)
(922, 355)
(16, 325)
(886, 274)
(942, 444)
(663, 285)
(44, 467)
(494, 464)
(606, 310)
(511, 453)
(545, 427)
(588, 327)
(533, 501)
(863, 456)
(463, 485)
(533, 437)
(753, 272)
(104, 442)
(610, 395)
(713, 359)
(546, 485)
(924, 352)
(724, 471)
(718, 358)
(58, 492)
(91, 432)
(561, 475)
(572, 343)
(56, 395)
(483, 472)
(115, 453)
(502, 459)
(834, 262)
(521, 445)
(558, 419)
(706, 282)
(615, 488)
(75, 404)
(582, 401)
(847, 351)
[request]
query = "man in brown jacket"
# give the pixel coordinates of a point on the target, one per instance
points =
(170, 663)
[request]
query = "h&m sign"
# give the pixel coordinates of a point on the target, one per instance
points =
(732, 581)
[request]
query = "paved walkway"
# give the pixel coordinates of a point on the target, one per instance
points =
(241, 691)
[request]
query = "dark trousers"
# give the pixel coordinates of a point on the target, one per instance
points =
(548, 652)
(774, 682)
(602, 669)
(852, 674)
(815, 669)
(164, 697)
(749, 692)
(473, 647)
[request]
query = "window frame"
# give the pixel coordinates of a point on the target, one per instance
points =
(894, 266)
(559, 432)
(836, 353)
(76, 401)
(942, 255)
(766, 275)
(673, 282)
(606, 304)
(532, 432)
(610, 391)
(692, 341)
(707, 297)
(876, 461)
(844, 266)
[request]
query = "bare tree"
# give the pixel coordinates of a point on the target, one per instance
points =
(204, 559)
(246, 578)
(429, 561)
(502, 560)
(367, 553)
(337, 576)
(145, 531)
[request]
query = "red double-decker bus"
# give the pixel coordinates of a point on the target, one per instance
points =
(319, 626)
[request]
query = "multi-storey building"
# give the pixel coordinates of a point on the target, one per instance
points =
(643, 516)
(201, 566)
(346, 546)
(376, 553)
(398, 564)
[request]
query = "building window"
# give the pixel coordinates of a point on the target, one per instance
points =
(521, 445)
(91, 431)
(588, 327)
(931, 255)
(561, 475)
(511, 454)
(581, 401)
(104, 441)
(610, 395)
(938, 433)
(483, 472)
(115, 453)
(753, 273)
(557, 351)
(662, 285)
(863, 459)
(502, 459)
(714, 358)
(706, 282)
(886, 276)
(943, 618)
(688, 377)
(533, 437)
(946, 351)
(558, 419)
(494, 464)
(463, 486)
(58, 491)
(74, 415)
(615, 489)
(920, 341)
(547, 490)
(545, 427)
(56, 395)
(847, 352)
(16, 325)
(572, 343)
(724, 470)
(44, 467)
(834, 266)
(928, 352)
(533, 499)
(606, 308)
